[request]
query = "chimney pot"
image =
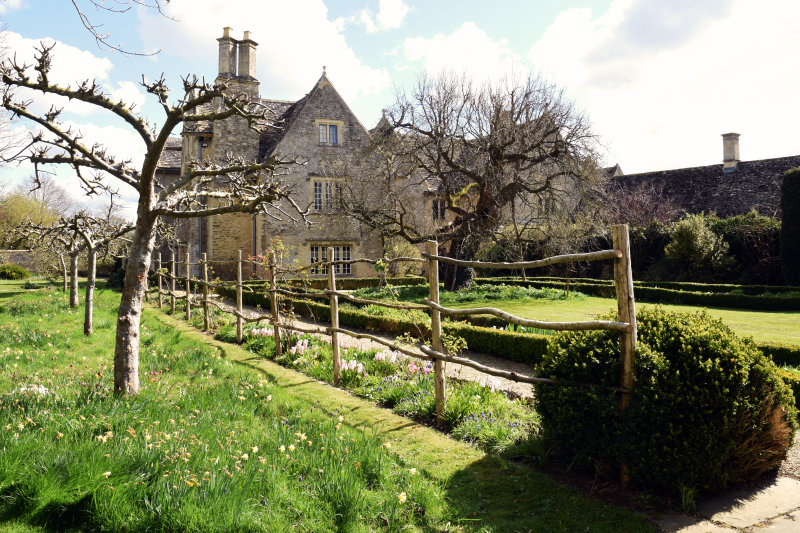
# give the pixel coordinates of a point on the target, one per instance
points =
(247, 57)
(730, 151)
(227, 54)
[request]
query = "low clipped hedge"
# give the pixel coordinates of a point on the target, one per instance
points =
(522, 347)
(690, 286)
(11, 271)
(348, 284)
(792, 380)
(645, 293)
(782, 354)
(707, 408)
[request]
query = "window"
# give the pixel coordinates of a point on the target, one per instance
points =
(319, 253)
(439, 209)
(325, 193)
(328, 134)
(328, 131)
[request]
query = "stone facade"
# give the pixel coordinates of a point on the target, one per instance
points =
(299, 137)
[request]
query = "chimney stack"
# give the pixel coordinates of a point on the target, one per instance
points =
(227, 54)
(730, 151)
(247, 57)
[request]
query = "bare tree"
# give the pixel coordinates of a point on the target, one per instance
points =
(112, 7)
(62, 238)
(479, 151)
(205, 188)
(640, 204)
(97, 233)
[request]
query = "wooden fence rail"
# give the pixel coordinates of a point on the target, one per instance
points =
(623, 277)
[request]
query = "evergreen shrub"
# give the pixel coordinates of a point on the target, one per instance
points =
(790, 227)
(11, 271)
(707, 408)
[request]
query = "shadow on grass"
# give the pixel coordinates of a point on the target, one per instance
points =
(494, 494)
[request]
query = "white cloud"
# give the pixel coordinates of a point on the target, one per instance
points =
(9, 5)
(69, 66)
(391, 14)
(130, 93)
(662, 82)
(467, 50)
(295, 40)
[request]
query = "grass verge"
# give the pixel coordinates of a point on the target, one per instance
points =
(216, 417)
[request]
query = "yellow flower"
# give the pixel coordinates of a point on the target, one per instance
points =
(387, 445)
(412, 471)
(269, 397)
(245, 456)
(291, 447)
(255, 449)
(59, 435)
(341, 418)
(106, 474)
(402, 497)
(282, 448)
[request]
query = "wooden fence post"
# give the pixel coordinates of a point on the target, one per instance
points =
(337, 358)
(626, 310)
(239, 321)
(274, 302)
(206, 321)
(188, 289)
(436, 330)
(172, 283)
(159, 276)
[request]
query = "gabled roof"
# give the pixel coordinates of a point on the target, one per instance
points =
(273, 136)
(750, 185)
(285, 113)
(170, 160)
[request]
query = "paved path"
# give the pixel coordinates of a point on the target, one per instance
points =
(772, 507)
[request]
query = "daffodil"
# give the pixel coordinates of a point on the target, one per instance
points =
(402, 497)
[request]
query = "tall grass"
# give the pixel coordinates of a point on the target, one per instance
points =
(206, 445)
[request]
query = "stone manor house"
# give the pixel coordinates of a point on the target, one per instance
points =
(318, 129)
(321, 130)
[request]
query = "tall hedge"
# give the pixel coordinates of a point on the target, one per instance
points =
(790, 227)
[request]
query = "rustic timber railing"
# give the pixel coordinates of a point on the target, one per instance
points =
(625, 324)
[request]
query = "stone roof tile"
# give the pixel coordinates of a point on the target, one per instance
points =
(751, 185)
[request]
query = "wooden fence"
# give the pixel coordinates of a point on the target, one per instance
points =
(623, 279)
(625, 323)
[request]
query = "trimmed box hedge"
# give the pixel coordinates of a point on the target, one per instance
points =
(523, 347)
(605, 289)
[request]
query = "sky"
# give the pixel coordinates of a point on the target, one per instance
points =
(660, 80)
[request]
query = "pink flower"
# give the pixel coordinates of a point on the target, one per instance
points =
(427, 369)
(360, 368)
(393, 357)
(412, 368)
(380, 356)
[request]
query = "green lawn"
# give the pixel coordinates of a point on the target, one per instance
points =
(199, 449)
(779, 326)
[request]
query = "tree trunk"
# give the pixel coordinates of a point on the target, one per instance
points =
(64, 270)
(73, 279)
(456, 277)
(89, 303)
(126, 351)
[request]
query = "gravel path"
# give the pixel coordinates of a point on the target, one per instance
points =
(452, 370)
